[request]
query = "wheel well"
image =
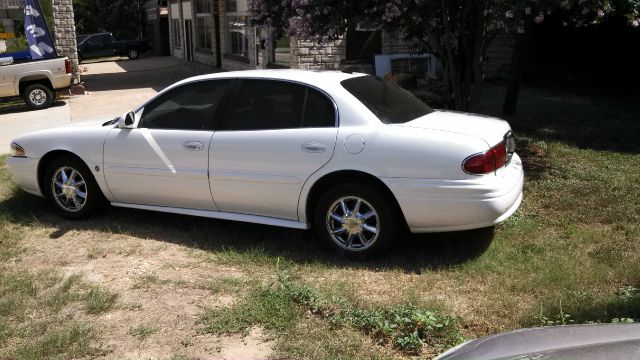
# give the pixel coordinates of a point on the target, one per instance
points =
(24, 83)
(351, 176)
(46, 160)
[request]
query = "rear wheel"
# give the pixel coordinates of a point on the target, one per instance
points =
(71, 188)
(356, 220)
(133, 53)
(38, 96)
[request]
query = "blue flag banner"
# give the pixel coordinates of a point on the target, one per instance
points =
(35, 29)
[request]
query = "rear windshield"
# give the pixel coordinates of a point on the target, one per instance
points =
(388, 101)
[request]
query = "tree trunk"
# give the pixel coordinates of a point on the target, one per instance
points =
(515, 74)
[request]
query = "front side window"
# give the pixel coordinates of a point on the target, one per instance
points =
(188, 107)
(388, 101)
(272, 105)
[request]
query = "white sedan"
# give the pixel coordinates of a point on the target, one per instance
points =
(356, 158)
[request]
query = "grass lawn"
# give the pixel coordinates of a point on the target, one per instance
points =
(133, 284)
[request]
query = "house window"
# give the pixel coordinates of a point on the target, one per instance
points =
(204, 25)
(363, 44)
(175, 33)
(232, 6)
(238, 35)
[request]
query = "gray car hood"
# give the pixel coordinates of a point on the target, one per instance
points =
(575, 342)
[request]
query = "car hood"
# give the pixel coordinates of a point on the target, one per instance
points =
(584, 342)
(490, 129)
(84, 124)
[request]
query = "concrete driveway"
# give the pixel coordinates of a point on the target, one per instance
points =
(113, 88)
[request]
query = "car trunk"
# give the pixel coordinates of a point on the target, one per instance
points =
(491, 130)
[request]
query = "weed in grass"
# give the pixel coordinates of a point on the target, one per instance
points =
(70, 341)
(224, 285)
(96, 252)
(99, 300)
(142, 331)
(146, 281)
(280, 306)
(269, 308)
(62, 295)
(321, 340)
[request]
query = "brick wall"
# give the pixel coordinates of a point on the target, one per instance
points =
(64, 29)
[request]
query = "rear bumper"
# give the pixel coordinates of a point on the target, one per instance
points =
(449, 205)
(61, 82)
(24, 172)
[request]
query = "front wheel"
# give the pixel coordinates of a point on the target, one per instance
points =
(356, 220)
(133, 53)
(71, 188)
(38, 96)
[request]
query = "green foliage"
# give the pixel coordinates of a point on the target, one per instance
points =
(124, 18)
(17, 44)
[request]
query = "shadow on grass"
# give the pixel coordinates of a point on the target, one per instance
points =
(252, 242)
(600, 122)
(585, 310)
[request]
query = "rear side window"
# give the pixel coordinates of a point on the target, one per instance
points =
(189, 107)
(272, 105)
(388, 101)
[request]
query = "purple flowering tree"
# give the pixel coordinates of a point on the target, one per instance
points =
(457, 31)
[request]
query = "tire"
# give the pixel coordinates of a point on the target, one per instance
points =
(367, 232)
(68, 200)
(80, 59)
(38, 96)
(133, 53)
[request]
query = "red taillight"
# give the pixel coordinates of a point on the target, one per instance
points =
(486, 162)
(68, 67)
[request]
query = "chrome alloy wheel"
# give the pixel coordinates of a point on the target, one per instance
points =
(353, 223)
(133, 53)
(38, 97)
(69, 189)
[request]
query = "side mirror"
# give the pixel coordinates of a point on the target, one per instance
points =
(127, 121)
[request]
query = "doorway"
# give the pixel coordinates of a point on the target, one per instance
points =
(188, 39)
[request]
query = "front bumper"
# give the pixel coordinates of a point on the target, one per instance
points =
(435, 205)
(24, 171)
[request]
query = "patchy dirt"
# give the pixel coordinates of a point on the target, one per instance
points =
(161, 286)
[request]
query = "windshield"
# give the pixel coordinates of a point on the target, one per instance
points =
(81, 38)
(388, 101)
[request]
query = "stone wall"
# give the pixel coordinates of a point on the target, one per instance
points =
(310, 55)
(64, 33)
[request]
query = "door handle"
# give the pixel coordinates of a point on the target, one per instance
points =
(193, 146)
(314, 147)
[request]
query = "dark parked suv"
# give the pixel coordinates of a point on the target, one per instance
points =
(105, 45)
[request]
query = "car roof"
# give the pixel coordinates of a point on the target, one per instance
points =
(319, 78)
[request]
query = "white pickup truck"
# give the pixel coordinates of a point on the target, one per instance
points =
(36, 81)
